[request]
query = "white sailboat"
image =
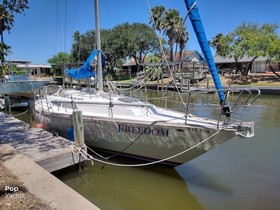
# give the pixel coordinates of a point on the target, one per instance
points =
(134, 128)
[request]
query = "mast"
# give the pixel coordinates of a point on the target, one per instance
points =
(98, 46)
(203, 42)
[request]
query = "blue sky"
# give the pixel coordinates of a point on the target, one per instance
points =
(41, 32)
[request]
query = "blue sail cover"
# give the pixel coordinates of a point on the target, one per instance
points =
(202, 40)
(84, 71)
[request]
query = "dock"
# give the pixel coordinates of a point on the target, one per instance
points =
(49, 151)
(31, 154)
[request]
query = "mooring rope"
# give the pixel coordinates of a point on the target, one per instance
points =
(89, 157)
(131, 143)
(16, 115)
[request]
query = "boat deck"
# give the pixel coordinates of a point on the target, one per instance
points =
(49, 151)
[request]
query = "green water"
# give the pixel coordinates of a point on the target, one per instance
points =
(240, 174)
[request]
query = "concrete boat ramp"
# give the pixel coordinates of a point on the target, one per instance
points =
(30, 154)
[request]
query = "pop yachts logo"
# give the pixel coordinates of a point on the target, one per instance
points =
(13, 192)
(142, 130)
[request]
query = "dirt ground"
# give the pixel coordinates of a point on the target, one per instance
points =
(22, 199)
(235, 80)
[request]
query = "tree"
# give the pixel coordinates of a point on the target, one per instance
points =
(143, 41)
(4, 51)
(170, 22)
(83, 45)
(58, 62)
(181, 39)
(8, 8)
(123, 41)
(252, 40)
(115, 45)
(157, 18)
(76, 44)
(272, 48)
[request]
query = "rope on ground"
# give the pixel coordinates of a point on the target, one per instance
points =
(86, 156)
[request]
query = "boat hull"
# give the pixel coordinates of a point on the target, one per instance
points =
(145, 141)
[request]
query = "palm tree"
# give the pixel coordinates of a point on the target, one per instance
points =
(77, 39)
(157, 21)
(181, 38)
(4, 51)
(157, 18)
(172, 21)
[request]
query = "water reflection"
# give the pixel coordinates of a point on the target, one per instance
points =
(153, 187)
(241, 173)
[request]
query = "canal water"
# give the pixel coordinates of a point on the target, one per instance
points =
(239, 174)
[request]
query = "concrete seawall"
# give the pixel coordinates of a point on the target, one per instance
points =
(31, 154)
(41, 183)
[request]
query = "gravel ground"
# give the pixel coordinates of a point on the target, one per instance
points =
(22, 199)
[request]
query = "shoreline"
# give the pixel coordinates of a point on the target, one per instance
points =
(37, 188)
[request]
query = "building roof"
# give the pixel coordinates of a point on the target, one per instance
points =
(218, 59)
(18, 62)
(34, 66)
(187, 55)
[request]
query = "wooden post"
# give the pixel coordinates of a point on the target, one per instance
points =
(181, 73)
(158, 75)
(162, 74)
(32, 113)
(189, 84)
(7, 105)
(79, 139)
(229, 84)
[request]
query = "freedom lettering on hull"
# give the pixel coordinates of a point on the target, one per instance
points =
(142, 130)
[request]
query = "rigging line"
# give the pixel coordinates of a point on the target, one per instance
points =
(65, 25)
(75, 14)
(159, 39)
(164, 57)
(89, 157)
(145, 83)
(56, 25)
(114, 155)
(185, 19)
(131, 143)
(132, 87)
(181, 25)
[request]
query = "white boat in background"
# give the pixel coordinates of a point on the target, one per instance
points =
(131, 127)
(20, 85)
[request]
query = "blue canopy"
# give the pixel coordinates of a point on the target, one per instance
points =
(85, 71)
(203, 42)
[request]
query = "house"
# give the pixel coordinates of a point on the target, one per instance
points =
(186, 56)
(228, 65)
(189, 55)
(33, 69)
